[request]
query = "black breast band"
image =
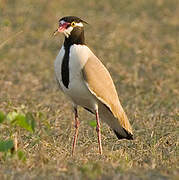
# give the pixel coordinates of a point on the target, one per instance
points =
(65, 68)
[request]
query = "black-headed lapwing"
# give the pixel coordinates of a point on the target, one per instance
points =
(86, 81)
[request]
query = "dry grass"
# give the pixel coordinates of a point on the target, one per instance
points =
(138, 42)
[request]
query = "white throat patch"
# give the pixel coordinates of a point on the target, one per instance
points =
(68, 31)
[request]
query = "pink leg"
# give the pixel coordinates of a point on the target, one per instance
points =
(77, 123)
(98, 132)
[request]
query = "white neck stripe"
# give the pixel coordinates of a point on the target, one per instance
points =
(80, 24)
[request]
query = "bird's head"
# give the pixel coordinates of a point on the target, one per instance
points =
(70, 25)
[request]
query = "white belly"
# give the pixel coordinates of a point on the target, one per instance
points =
(77, 90)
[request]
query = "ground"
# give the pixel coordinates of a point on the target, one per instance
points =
(138, 43)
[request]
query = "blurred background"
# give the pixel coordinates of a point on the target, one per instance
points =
(138, 43)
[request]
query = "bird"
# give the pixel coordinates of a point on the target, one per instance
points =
(87, 82)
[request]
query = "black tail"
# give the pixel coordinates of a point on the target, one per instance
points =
(129, 135)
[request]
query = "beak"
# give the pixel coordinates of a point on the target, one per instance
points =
(61, 28)
(55, 32)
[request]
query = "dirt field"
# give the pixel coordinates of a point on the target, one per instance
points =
(138, 43)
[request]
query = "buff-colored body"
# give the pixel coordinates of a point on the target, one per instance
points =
(91, 86)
